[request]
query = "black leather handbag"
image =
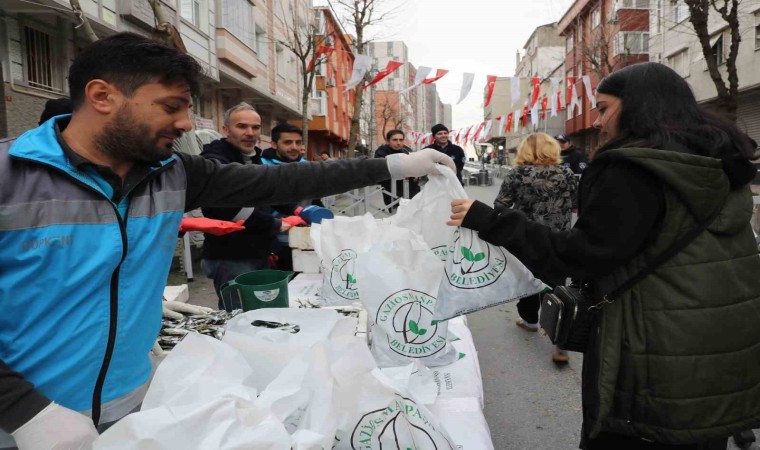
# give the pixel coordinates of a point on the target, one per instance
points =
(569, 314)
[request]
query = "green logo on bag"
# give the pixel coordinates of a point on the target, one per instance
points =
(475, 263)
(408, 313)
(400, 425)
(342, 275)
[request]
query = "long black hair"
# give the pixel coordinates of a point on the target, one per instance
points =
(658, 110)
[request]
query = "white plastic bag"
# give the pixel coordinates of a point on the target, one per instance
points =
(399, 288)
(341, 240)
(464, 422)
(477, 274)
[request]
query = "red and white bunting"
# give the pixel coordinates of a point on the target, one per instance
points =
(536, 82)
(389, 69)
(438, 75)
(491, 84)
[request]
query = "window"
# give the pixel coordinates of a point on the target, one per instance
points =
(631, 43)
(680, 62)
(757, 31)
(656, 17)
(633, 4)
(596, 17)
(680, 11)
(190, 10)
(41, 70)
(720, 45)
(389, 51)
(279, 58)
(569, 43)
(391, 84)
(261, 45)
(237, 17)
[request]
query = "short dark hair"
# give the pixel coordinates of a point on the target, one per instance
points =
(324, 152)
(55, 107)
(392, 133)
(129, 61)
(284, 128)
(658, 110)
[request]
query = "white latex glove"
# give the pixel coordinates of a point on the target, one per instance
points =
(417, 164)
(56, 428)
(175, 310)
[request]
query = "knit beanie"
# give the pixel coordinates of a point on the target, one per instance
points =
(439, 127)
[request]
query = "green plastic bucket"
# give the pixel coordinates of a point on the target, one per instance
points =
(258, 289)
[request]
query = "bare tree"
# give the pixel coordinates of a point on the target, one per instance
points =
(727, 10)
(390, 114)
(360, 15)
(303, 37)
(595, 50)
(85, 22)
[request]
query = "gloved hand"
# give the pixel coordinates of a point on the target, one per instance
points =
(294, 221)
(314, 214)
(210, 226)
(418, 163)
(175, 310)
(56, 427)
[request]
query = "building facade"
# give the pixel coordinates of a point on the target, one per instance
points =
(673, 42)
(600, 37)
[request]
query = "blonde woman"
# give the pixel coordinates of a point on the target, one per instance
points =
(543, 189)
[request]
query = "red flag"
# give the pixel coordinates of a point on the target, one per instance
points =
(570, 87)
(389, 69)
(510, 120)
(476, 136)
(438, 75)
(536, 82)
(544, 105)
(491, 84)
(559, 102)
(321, 50)
(525, 116)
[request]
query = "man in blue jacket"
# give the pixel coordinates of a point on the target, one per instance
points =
(90, 205)
(442, 144)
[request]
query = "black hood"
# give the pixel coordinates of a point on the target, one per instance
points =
(224, 151)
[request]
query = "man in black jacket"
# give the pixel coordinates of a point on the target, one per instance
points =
(442, 144)
(572, 156)
(394, 144)
(225, 257)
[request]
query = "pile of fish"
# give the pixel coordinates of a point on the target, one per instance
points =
(213, 325)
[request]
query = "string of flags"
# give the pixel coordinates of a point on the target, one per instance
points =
(536, 108)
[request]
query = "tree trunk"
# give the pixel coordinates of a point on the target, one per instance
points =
(353, 136)
(91, 36)
(305, 120)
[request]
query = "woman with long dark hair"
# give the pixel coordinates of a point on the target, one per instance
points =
(675, 359)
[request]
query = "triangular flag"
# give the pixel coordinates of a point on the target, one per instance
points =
(389, 69)
(534, 116)
(536, 82)
(476, 135)
(544, 105)
(502, 121)
(515, 90)
(467, 79)
(438, 75)
(518, 119)
(491, 83)
(587, 87)
(321, 50)
(487, 131)
(362, 63)
(510, 122)
(570, 88)
(422, 73)
(525, 112)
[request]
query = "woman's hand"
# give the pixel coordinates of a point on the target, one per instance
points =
(459, 208)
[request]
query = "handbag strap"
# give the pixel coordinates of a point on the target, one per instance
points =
(658, 261)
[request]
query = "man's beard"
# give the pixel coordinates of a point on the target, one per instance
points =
(125, 139)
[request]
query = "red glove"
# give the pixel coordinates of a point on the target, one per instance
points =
(294, 221)
(210, 226)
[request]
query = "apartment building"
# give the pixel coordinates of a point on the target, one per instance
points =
(600, 36)
(39, 40)
(331, 107)
(672, 41)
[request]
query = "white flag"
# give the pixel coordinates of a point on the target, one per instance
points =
(554, 99)
(362, 63)
(516, 94)
(422, 73)
(487, 131)
(574, 100)
(587, 87)
(502, 124)
(534, 115)
(516, 123)
(467, 79)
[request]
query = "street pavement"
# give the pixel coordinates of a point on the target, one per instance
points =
(530, 403)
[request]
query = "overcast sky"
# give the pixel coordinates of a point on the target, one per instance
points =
(478, 36)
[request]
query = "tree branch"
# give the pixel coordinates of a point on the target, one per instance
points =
(91, 36)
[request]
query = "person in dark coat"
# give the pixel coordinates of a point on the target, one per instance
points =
(572, 156)
(394, 143)
(55, 107)
(225, 257)
(672, 362)
(442, 144)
